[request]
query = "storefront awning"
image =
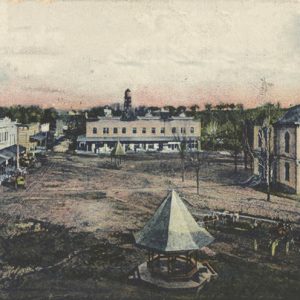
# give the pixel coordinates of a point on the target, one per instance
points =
(6, 154)
(39, 137)
(14, 149)
(2, 160)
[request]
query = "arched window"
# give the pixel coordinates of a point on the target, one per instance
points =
(287, 171)
(287, 142)
(259, 139)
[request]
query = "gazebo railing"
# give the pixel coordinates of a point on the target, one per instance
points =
(165, 266)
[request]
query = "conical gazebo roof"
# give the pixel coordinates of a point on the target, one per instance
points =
(118, 150)
(172, 229)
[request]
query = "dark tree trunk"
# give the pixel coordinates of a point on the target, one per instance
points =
(245, 160)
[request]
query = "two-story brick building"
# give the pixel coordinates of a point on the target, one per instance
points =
(141, 134)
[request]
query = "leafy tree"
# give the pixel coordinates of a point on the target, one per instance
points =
(210, 135)
(180, 109)
(50, 116)
(171, 109)
(233, 134)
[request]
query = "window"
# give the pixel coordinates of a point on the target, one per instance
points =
(192, 130)
(153, 130)
(182, 130)
(287, 171)
(115, 130)
(259, 139)
(134, 131)
(105, 130)
(94, 130)
(162, 130)
(144, 130)
(287, 142)
(124, 130)
(173, 129)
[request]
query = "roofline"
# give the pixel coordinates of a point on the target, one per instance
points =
(134, 139)
(145, 118)
(279, 123)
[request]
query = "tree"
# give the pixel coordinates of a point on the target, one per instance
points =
(198, 159)
(208, 106)
(180, 109)
(182, 151)
(182, 154)
(194, 108)
(210, 134)
(171, 109)
(50, 116)
(233, 134)
(264, 155)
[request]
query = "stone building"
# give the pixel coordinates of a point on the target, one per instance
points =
(285, 151)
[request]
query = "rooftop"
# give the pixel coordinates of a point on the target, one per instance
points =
(173, 229)
(139, 118)
(292, 116)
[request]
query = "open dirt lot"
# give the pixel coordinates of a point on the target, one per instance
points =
(69, 234)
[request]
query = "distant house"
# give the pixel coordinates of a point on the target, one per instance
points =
(285, 148)
(60, 128)
(33, 137)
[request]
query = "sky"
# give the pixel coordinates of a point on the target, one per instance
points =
(82, 53)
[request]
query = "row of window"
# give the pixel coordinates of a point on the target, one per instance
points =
(3, 136)
(144, 130)
(286, 141)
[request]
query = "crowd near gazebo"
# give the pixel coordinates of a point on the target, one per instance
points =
(173, 240)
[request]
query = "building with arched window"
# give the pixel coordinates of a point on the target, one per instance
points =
(287, 150)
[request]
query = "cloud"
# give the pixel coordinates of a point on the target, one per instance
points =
(3, 76)
(95, 49)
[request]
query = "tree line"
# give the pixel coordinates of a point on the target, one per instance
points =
(30, 114)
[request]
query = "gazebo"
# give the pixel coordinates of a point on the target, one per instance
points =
(118, 152)
(173, 238)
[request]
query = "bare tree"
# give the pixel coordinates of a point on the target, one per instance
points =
(198, 159)
(182, 151)
(264, 155)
